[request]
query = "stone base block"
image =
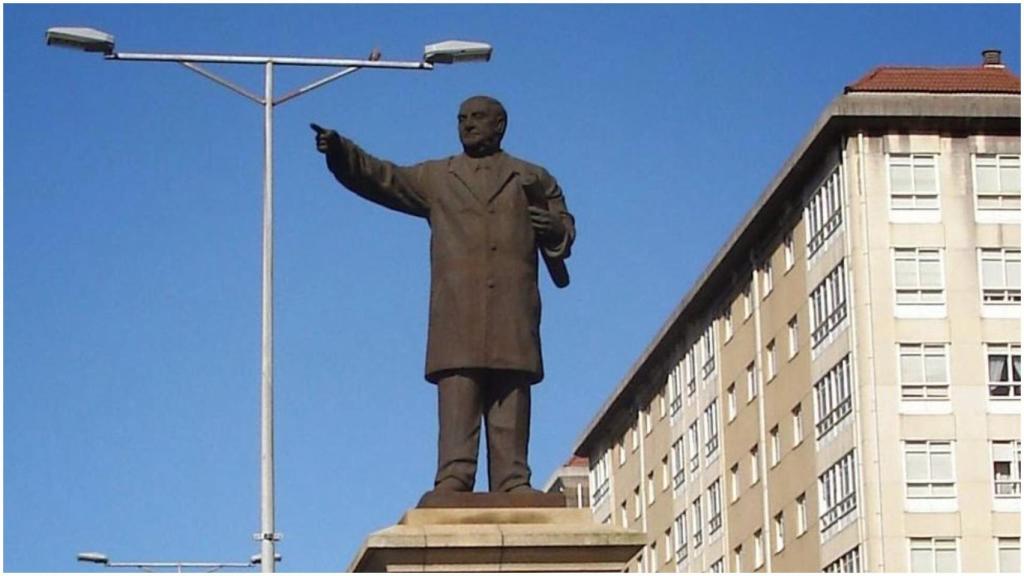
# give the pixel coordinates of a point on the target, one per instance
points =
(497, 540)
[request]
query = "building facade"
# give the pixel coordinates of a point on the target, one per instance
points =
(841, 389)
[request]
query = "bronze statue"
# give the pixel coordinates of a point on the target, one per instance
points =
(489, 214)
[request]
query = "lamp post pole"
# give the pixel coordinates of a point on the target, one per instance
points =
(447, 52)
(268, 537)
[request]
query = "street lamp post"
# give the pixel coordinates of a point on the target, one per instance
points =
(448, 52)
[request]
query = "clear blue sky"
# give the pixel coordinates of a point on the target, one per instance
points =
(132, 243)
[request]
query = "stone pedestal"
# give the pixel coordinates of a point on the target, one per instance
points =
(497, 540)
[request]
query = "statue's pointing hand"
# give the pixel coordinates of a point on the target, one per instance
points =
(326, 139)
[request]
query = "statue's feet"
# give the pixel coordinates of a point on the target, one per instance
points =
(524, 489)
(449, 485)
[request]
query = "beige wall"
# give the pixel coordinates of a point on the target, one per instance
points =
(882, 521)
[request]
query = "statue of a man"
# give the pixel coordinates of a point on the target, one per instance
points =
(489, 213)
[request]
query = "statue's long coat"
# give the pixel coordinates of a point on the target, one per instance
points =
(484, 302)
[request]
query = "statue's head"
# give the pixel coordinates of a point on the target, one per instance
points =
(482, 122)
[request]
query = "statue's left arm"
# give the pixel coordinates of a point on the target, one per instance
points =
(554, 224)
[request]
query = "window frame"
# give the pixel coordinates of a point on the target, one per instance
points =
(931, 546)
(1014, 478)
(833, 397)
(937, 391)
(823, 213)
(903, 296)
(1000, 193)
(932, 484)
(828, 304)
(1012, 351)
(914, 160)
(837, 492)
(999, 296)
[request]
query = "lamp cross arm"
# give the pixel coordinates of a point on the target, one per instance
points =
(276, 60)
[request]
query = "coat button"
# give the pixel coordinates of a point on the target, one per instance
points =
(490, 283)
(494, 247)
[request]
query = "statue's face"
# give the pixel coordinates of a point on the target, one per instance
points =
(481, 126)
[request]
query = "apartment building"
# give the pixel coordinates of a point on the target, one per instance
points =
(841, 389)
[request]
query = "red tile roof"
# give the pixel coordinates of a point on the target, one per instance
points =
(994, 80)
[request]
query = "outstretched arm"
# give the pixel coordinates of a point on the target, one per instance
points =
(379, 181)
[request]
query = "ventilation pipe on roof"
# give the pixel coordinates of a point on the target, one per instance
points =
(992, 58)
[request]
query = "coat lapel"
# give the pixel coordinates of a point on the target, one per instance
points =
(459, 169)
(504, 171)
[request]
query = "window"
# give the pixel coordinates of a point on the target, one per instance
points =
(933, 555)
(929, 465)
(997, 182)
(924, 372)
(714, 507)
(780, 532)
(599, 478)
(913, 182)
(1006, 468)
(680, 537)
(623, 515)
(727, 323)
(711, 429)
(1003, 371)
(758, 549)
(690, 371)
(697, 524)
(824, 213)
(832, 397)
(693, 435)
(775, 446)
(637, 503)
(845, 564)
(828, 305)
(752, 383)
(675, 388)
(748, 305)
(647, 420)
(717, 567)
(837, 492)
(730, 399)
(771, 360)
(634, 434)
(801, 514)
(918, 276)
(737, 558)
(650, 488)
(678, 464)
(667, 547)
(798, 425)
(755, 468)
(734, 482)
(767, 282)
(708, 347)
(789, 251)
(1008, 554)
(662, 404)
(1000, 276)
(622, 450)
(666, 476)
(794, 336)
